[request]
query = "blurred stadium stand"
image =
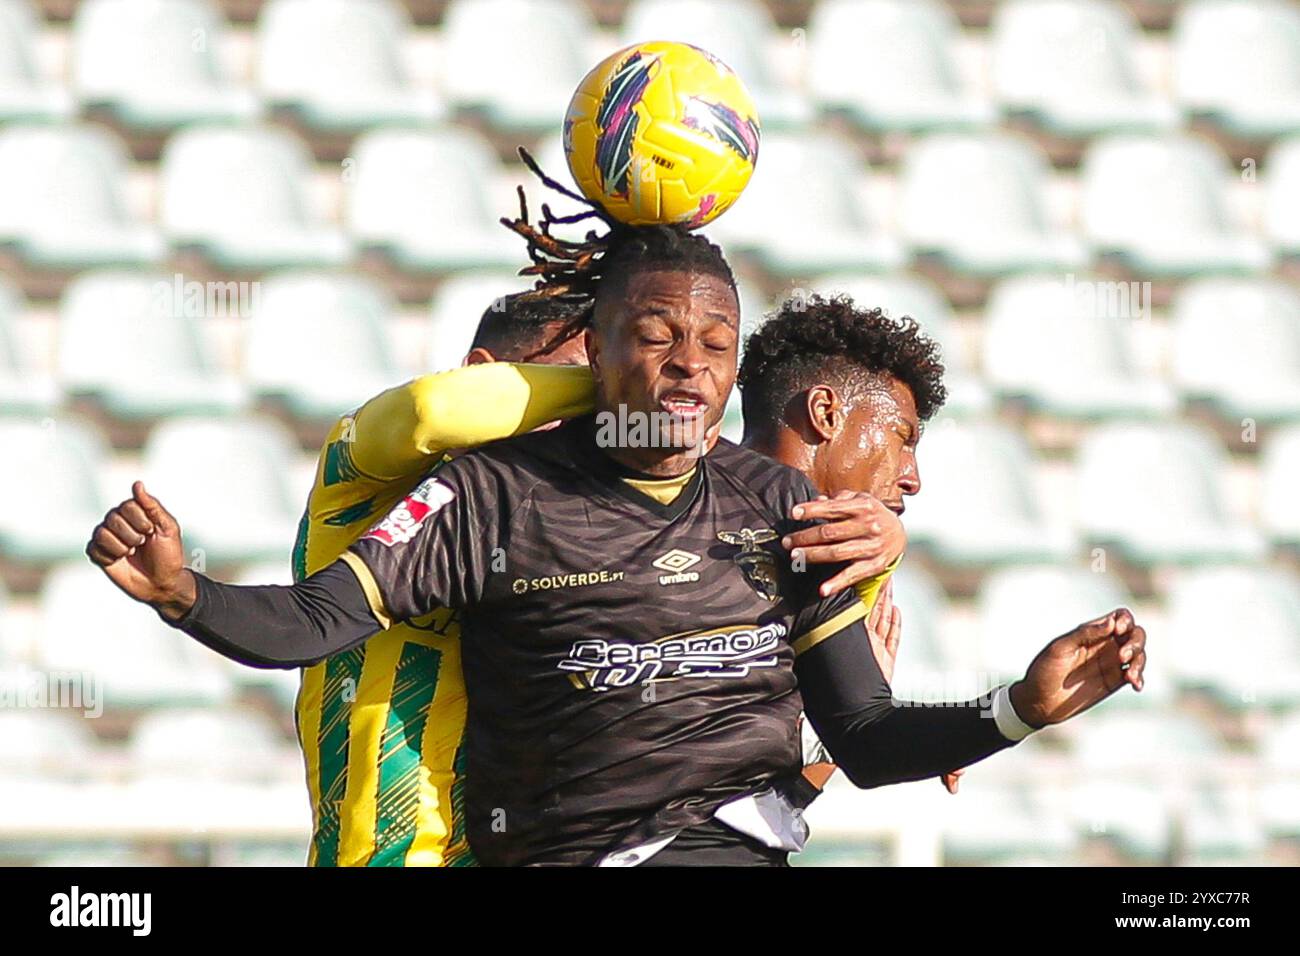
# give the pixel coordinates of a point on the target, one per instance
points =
(223, 222)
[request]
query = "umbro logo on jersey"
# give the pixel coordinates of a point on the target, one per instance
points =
(403, 522)
(678, 564)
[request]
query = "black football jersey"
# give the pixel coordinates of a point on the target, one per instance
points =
(629, 664)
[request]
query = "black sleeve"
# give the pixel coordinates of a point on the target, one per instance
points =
(284, 627)
(876, 739)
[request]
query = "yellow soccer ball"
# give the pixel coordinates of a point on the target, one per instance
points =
(662, 132)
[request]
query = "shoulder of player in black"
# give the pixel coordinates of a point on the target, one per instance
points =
(778, 486)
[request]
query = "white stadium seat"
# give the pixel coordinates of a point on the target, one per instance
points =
(239, 195)
(458, 304)
(1129, 815)
(128, 655)
(738, 32)
(977, 202)
(1236, 344)
(1154, 492)
(1020, 609)
(804, 210)
(1158, 205)
(1238, 64)
(889, 65)
(24, 92)
(978, 502)
(320, 343)
(38, 743)
(1064, 347)
(926, 665)
(1281, 206)
(227, 482)
(516, 62)
(1004, 824)
(421, 197)
(1279, 505)
(55, 465)
(917, 298)
(1256, 659)
(207, 744)
(1143, 746)
(23, 387)
(155, 63)
(129, 342)
(1070, 66)
(339, 64)
(63, 200)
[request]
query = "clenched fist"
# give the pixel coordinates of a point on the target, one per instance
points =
(138, 544)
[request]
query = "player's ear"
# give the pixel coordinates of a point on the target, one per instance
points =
(825, 414)
(479, 356)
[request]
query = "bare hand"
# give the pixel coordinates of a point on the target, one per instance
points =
(1082, 668)
(138, 544)
(858, 529)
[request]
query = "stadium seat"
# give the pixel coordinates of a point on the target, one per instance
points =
(1068, 65)
(1236, 344)
(1063, 346)
(515, 62)
(129, 656)
(1128, 815)
(1279, 505)
(24, 92)
(810, 186)
(54, 473)
(1221, 827)
(155, 65)
(977, 203)
(36, 743)
(1279, 767)
(239, 196)
(739, 32)
(1158, 206)
(23, 388)
(1153, 491)
(320, 344)
(338, 64)
(1281, 206)
(227, 482)
(991, 824)
(457, 306)
(889, 65)
(1020, 609)
(421, 197)
(63, 202)
(1237, 64)
(978, 503)
(1255, 659)
(207, 744)
(131, 342)
(1143, 746)
(905, 295)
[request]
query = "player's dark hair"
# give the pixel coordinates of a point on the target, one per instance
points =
(514, 327)
(809, 337)
(577, 271)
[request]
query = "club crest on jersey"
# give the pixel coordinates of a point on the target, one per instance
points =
(402, 523)
(758, 566)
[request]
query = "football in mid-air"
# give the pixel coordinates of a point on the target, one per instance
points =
(662, 132)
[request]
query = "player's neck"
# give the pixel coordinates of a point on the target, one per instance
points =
(786, 447)
(655, 462)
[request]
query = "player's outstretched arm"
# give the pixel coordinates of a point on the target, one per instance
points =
(138, 546)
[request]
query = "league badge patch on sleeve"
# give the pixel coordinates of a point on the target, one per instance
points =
(403, 522)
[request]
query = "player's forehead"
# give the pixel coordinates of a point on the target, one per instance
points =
(675, 293)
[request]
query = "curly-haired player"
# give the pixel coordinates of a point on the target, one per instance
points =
(841, 393)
